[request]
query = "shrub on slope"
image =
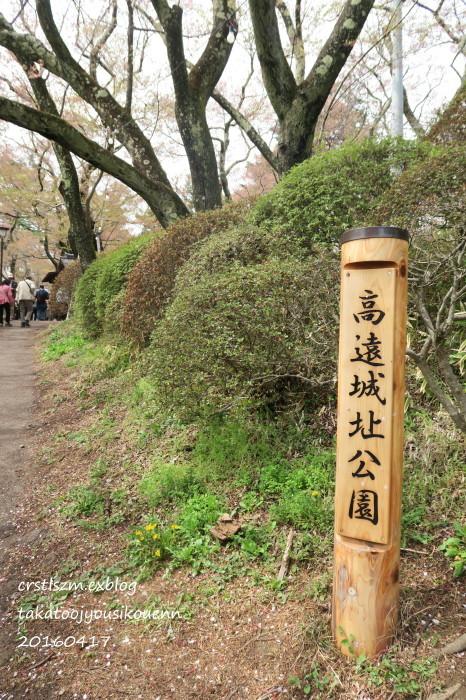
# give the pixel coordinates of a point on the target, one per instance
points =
(333, 191)
(102, 281)
(150, 282)
(262, 334)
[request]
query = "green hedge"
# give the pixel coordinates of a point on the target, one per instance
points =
(246, 244)
(102, 281)
(320, 198)
(150, 283)
(263, 334)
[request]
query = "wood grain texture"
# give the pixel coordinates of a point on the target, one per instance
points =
(365, 404)
(367, 543)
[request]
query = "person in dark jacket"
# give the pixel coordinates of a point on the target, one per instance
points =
(41, 296)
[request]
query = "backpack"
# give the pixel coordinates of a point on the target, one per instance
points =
(42, 295)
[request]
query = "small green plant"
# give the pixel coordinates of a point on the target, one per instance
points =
(347, 641)
(85, 500)
(171, 483)
(150, 544)
(455, 547)
(315, 679)
(413, 526)
(251, 501)
(98, 470)
(61, 343)
(186, 542)
(256, 542)
(407, 679)
(319, 587)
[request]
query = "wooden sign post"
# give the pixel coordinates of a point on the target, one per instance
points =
(369, 438)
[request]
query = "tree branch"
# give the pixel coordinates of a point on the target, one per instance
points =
(455, 38)
(171, 21)
(59, 130)
(294, 35)
(79, 235)
(437, 390)
(451, 380)
(95, 51)
(130, 42)
(110, 111)
(413, 121)
(277, 74)
(45, 243)
(248, 129)
(300, 53)
(336, 50)
(205, 75)
(229, 108)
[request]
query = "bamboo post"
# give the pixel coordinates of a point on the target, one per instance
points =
(369, 438)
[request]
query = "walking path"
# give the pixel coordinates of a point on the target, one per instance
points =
(17, 381)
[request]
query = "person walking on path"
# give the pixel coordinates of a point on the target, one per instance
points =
(25, 298)
(41, 296)
(6, 300)
(13, 285)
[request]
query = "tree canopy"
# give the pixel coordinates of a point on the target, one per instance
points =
(136, 89)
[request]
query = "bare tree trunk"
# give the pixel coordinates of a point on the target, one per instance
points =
(193, 89)
(298, 106)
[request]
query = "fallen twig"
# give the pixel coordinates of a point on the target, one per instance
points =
(268, 694)
(326, 661)
(413, 551)
(286, 557)
(44, 661)
(124, 692)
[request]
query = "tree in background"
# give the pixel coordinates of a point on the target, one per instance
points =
(31, 201)
(298, 101)
(145, 175)
(122, 113)
(193, 86)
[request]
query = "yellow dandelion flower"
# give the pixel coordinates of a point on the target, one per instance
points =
(138, 532)
(148, 527)
(176, 527)
(142, 538)
(157, 554)
(315, 493)
(155, 537)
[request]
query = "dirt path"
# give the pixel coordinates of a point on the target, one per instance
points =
(17, 384)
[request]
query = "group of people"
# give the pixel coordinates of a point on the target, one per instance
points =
(30, 302)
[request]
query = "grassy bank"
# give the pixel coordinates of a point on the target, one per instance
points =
(140, 491)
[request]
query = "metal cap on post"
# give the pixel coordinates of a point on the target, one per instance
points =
(354, 234)
(369, 437)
